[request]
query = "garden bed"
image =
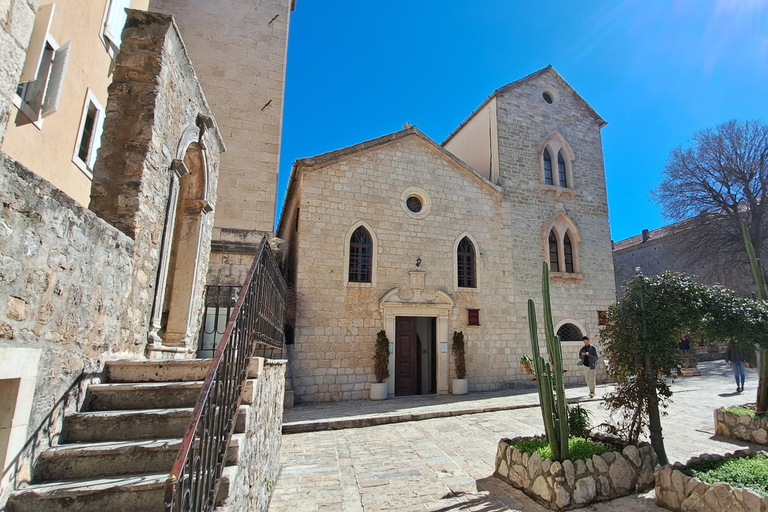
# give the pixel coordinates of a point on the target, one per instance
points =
(695, 487)
(625, 469)
(741, 423)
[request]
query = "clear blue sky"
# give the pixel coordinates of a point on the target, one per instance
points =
(656, 71)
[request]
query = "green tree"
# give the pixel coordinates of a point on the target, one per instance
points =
(642, 335)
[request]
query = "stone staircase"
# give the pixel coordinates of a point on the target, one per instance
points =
(117, 453)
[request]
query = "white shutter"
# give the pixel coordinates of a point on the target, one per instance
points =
(96, 142)
(37, 43)
(113, 27)
(56, 80)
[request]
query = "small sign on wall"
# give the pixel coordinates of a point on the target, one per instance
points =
(602, 318)
(444, 348)
(473, 317)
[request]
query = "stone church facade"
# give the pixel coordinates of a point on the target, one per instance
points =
(423, 239)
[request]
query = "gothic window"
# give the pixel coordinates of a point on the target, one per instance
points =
(561, 170)
(569, 332)
(554, 258)
(548, 168)
(568, 253)
(465, 258)
(360, 251)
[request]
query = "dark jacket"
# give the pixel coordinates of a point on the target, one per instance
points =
(733, 354)
(592, 356)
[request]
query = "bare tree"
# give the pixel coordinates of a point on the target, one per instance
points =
(719, 180)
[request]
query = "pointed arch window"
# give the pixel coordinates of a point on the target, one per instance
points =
(561, 170)
(360, 252)
(568, 253)
(554, 257)
(466, 264)
(548, 168)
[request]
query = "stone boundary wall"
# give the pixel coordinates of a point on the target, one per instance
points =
(259, 462)
(65, 275)
(16, 20)
(566, 485)
(678, 492)
(741, 426)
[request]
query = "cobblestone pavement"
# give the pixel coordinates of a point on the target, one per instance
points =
(445, 464)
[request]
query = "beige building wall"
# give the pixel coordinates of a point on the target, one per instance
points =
(239, 52)
(476, 141)
(48, 147)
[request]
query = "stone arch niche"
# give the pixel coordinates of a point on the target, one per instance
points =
(177, 277)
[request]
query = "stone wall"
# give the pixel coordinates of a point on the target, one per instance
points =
(239, 51)
(65, 280)
(155, 103)
(741, 426)
(259, 462)
(571, 484)
(678, 492)
(16, 20)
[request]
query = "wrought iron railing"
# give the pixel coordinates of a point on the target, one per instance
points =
(255, 321)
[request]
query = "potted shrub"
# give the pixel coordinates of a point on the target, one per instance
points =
(527, 364)
(380, 366)
(459, 384)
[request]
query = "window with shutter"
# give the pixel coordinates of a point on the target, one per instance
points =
(89, 135)
(473, 317)
(56, 80)
(114, 22)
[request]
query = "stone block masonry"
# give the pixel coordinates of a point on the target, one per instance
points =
(741, 426)
(16, 20)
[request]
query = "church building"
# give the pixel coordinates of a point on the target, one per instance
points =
(422, 239)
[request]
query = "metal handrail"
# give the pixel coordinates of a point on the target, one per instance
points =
(257, 319)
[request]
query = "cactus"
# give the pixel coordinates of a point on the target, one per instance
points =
(549, 375)
(762, 294)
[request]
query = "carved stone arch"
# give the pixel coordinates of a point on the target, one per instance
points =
(561, 224)
(573, 322)
(476, 246)
(374, 252)
(173, 314)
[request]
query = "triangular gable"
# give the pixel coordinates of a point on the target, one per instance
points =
(320, 161)
(517, 83)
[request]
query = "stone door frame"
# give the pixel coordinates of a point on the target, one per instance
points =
(420, 304)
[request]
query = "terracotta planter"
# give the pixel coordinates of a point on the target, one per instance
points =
(379, 391)
(459, 387)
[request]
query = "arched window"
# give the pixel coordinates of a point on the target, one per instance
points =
(561, 170)
(465, 264)
(360, 250)
(554, 259)
(569, 332)
(568, 253)
(548, 168)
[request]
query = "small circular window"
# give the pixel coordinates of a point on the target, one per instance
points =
(413, 203)
(547, 97)
(550, 95)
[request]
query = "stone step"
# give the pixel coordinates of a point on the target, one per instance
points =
(143, 493)
(102, 426)
(155, 395)
(108, 459)
(172, 370)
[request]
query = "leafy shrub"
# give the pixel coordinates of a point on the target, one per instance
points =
(578, 420)
(750, 472)
(579, 447)
(743, 410)
(458, 352)
(381, 357)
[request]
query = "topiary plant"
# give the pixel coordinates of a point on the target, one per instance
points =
(458, 354)
(381, 357)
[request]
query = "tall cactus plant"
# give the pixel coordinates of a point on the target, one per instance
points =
(762, 294)
(549, 375)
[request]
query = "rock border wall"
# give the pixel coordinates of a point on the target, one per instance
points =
(741, 426)
(678, 492)
(566, 485)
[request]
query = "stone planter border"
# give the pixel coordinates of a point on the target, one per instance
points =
(741, 426)
(678, 492)
(575, 484)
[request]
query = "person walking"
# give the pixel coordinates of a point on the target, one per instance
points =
(735, 357)
(588, 355)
